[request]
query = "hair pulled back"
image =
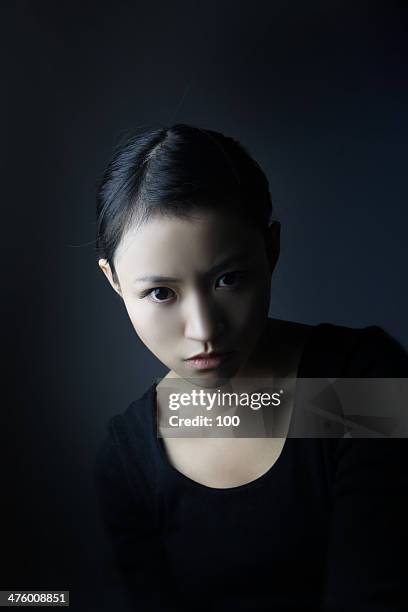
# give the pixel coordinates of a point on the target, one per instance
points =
(173, 172)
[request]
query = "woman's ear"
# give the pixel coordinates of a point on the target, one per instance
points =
(272, 244)
(106, 269)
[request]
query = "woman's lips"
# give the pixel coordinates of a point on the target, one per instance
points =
(207, 363)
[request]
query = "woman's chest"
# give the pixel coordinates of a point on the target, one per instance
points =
(223, 462)
(274, 528)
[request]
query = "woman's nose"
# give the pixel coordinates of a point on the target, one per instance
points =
(202, 320)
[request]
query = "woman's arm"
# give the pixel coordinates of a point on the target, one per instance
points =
(367, 568)
(130, 523)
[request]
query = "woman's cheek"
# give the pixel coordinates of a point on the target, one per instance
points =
(153, 325)
(250, 307)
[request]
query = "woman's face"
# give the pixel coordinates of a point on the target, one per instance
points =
(194, 286)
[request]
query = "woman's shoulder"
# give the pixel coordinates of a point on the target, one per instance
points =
(132, 429)
(328, 329)
(137, 419)
(127, 448)
(331, 350)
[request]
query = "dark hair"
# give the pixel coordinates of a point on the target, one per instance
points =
(172, 172)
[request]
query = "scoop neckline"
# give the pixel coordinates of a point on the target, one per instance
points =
(256, 482)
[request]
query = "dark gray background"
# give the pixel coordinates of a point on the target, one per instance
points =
(317, 91)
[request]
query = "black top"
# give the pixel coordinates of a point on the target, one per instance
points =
(325, 528)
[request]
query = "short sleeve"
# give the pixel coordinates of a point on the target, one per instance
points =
(131, 527)
(367, 562)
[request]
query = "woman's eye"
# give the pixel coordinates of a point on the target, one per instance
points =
(231, 279)
(160, 294)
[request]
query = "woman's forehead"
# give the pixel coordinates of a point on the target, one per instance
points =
(203, 238)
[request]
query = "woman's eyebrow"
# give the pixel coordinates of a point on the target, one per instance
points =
(236, 258)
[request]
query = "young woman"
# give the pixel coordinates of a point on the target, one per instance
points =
(274, 521)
